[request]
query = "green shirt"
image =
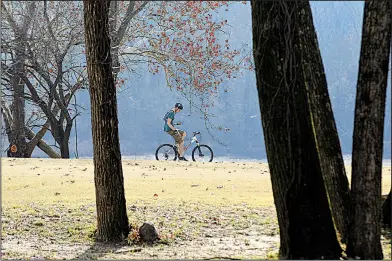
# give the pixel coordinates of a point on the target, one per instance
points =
(169, 115)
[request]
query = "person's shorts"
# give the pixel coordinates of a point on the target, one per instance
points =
(177, 135)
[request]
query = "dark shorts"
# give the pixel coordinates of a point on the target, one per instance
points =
(177, 135)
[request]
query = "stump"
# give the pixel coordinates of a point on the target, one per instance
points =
(148, 233)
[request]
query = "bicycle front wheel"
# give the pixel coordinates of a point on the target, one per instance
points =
(202, 153)
(166, 152)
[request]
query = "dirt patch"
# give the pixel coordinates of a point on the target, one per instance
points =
(191, 231)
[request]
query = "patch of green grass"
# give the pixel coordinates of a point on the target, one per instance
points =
(272, 256)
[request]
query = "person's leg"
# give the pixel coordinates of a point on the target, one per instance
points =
(181, 148)
(177, 139)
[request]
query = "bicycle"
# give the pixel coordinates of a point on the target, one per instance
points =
(170, 152)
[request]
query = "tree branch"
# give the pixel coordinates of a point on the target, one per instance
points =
(125, 23)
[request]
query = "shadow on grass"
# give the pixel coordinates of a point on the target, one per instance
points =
(99, 250)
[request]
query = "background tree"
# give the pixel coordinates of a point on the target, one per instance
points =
(49, 72)
(305, 221)
(186, 40)
(13, 67)
(190, 50)
(112, 219)
(365, 233)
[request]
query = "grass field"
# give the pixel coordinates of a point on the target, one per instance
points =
(204, 211)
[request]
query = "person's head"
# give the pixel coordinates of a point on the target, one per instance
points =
(178, 107)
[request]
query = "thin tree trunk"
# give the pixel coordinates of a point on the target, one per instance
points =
(325, 132)
(365, 230)
(305, 221)
(42, 145)
(35, 139)
(64, 145)
(112, 219)
(18, 106)
(64, 149)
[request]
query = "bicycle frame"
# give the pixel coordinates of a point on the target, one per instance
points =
(193, 139)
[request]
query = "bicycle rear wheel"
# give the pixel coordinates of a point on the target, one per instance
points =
(202, 153)
(166, 152)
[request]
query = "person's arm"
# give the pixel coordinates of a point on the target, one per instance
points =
(169, 121)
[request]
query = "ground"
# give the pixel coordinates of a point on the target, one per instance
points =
(204, 211)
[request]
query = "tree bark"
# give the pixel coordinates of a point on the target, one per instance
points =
(305, 220)
(18, 103)
(386, 211)
(42, 145)
(365, 230)
(323, 122)
(64, 149)
(112, 219)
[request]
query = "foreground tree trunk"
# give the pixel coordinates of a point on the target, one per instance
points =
(365, 231)
(323, 122)
(305, 220)
(112, 219)
(386, 211)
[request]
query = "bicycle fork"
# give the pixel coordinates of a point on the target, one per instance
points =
(198, 148)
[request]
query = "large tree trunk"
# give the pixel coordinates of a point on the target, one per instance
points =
(325, 132)
(305, 220)
(112, 217)
(365, 230)
(386, 211)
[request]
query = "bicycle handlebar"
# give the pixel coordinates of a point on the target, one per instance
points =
(194, 133)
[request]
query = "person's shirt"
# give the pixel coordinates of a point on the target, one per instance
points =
(169, 115)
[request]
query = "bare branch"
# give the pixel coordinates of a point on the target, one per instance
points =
(128, 17)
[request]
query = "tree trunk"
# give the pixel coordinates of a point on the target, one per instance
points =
(64, 149)
(18, 104)
(42, 145)
(325, 132)
(35, 139)
(112, 219)
(59, 136)
(365, 230)
(305, 221)
(386, 211)
(63, 140)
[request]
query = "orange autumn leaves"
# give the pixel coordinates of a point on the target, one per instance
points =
(194, 52)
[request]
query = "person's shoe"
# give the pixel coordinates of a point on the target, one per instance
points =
(182, 159)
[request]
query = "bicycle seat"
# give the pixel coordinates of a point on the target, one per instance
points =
(195, 133)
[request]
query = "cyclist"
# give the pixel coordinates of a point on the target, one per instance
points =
(177, 134)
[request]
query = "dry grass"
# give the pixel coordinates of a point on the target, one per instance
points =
(204, 210)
